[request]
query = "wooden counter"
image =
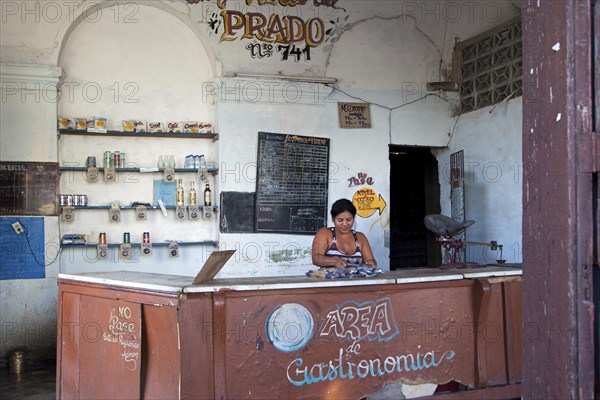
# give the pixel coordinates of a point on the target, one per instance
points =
(134, 335)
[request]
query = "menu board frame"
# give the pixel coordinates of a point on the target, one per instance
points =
(292, 183)
(29, 188)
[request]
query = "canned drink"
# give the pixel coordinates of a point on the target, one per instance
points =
(83, 200)
(107, 159)
(122, 160)
(63, 200)
(90, 162)
(75, 199)
(69, 199)
(116, 159)
(102, 238)
(146, 237)
(126, 238)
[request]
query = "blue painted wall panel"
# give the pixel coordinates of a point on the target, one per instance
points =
(16, 259)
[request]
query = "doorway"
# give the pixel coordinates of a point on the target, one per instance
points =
(414, 193)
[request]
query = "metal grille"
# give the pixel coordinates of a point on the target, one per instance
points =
(490, 67)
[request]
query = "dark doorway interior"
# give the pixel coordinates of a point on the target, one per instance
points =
(414, 193)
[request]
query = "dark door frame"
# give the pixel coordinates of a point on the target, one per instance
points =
(560, 227)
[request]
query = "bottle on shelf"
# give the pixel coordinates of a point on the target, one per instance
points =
(192, 194)
(171, 163)
(189, 161)
(203, 169)
(180, 194)
(207, 195)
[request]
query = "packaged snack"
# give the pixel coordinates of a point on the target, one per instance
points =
(205, 127)
(128, 126)
(100, 123)
(174, 126)
(191, 127)
(65, 123)
(89, 123)
(155, 127)
(81, 124)
(139, 125)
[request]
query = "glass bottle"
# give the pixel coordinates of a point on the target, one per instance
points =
(161, 162)
(192, 194)
(207, 201)
(172, 162)
(180, 194)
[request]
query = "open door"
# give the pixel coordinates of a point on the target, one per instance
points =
(414, 193)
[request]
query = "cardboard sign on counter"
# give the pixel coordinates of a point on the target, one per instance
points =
(212, 266)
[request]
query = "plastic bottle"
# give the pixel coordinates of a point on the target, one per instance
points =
(171, 162)
(192, 194)
(180, 194)
(207, 195)
(203, 169)
(189, 161)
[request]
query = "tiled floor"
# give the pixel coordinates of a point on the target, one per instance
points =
(34, 383)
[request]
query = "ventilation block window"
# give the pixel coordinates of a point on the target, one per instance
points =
(490, 67)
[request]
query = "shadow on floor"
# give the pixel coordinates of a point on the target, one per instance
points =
(37, 383)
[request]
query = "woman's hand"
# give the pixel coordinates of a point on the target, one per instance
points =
(340, 263)
(370, 263)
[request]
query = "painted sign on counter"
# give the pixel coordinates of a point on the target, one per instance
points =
(123, 331)
(290, 327)
(111, 342)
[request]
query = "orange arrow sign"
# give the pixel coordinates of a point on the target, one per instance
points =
(367, 201)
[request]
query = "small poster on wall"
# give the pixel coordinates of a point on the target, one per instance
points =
(354, 115)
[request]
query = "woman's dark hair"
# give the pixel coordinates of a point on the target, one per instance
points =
(342, 205)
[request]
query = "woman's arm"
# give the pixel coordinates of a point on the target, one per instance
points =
(320, 245)
(365, 249)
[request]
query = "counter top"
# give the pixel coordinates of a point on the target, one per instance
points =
(183, 284)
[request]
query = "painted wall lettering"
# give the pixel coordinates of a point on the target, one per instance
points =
(125, 333)
(290, 36)
(299, 374)
(361, 179)
(367, 201)
(354, 321)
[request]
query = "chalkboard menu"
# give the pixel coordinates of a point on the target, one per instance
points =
(237, 212)
(28, 188)
(292, 183)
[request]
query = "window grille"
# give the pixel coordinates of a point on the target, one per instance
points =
(490, 67)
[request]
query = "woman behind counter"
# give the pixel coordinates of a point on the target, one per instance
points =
(341, 245)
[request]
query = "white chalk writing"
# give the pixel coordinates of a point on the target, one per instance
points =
(124, 333)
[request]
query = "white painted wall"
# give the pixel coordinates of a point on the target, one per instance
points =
(153, 77)
(493, 179)
(27, 120)
(165, 55)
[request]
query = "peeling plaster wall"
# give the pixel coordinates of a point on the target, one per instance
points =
(382, 52)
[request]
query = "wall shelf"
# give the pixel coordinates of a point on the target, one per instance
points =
(161, 170)
(178, 135)
(215, 208)
(159, 244)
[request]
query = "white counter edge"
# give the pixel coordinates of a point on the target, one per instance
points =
(121, 283)
(182, 284)
(287, 285)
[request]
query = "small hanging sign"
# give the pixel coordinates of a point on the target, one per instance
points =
(354, 115)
